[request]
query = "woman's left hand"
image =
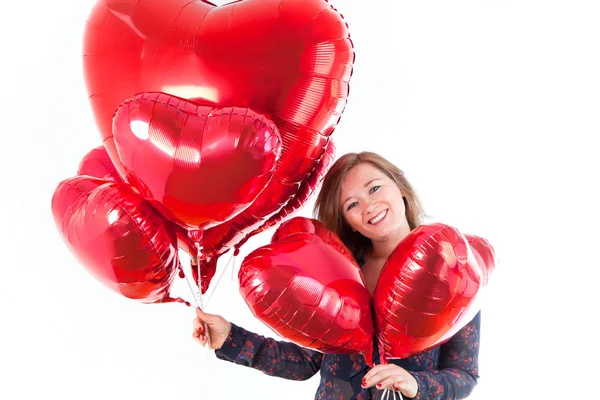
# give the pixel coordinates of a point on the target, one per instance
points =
(393, 377)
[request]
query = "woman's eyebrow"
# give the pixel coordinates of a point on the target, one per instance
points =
(371, 181)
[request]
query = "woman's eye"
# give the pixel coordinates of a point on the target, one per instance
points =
(351, 205)
(374, 189)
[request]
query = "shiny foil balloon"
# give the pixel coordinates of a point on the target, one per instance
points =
(307, 188)
(485, 259)
(198, 165)
(117, 236)
(96, 163)
(307, 287)
(290, 60)
(426, 291)
(484, 253)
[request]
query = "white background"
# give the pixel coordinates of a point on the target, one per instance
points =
(490, 107)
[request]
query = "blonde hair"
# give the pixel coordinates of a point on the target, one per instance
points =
(328, 209)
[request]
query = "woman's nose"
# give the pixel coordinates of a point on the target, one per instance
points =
(370, 207)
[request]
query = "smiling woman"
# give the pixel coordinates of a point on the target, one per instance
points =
(364, 185)
(368, 202)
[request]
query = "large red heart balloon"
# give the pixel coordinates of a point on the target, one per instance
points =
(117, 236)
(290, 60)
(304, 193)
(198, 165)
(427, 290)
(307, 287)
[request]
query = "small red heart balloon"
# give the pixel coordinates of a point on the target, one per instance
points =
(117, 236)
(306, 190)
(426, 291)
(290, 60)
(198, 165)
(307, 287)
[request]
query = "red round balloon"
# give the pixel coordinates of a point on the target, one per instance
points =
(307, 287)
(117, 236)
(290, 60)
(427, 290)
(198, 165)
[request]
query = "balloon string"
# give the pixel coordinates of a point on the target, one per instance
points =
(199, 295)
(196, 293)
(388, 393)
(215, 285)
(233, 266)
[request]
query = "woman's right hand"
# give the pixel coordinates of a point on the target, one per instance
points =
(217, 326)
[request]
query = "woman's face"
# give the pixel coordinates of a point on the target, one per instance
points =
(372, 203)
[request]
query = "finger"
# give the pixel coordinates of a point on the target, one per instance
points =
(400, 386)
(199, 330)
(390, 382)
(197, 323)
(199, 337)
(206, 318)
(378, 374)
(201, 314)
(378, 368)
(375, 379)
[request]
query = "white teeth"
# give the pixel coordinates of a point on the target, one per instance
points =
(378, 218)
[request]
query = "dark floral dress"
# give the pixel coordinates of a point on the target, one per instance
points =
(449, 371)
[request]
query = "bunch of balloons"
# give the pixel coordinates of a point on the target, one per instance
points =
(216, 124)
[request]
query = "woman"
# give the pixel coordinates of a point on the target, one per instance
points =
(371, 206)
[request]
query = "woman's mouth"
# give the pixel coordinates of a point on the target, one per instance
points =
(378, 218)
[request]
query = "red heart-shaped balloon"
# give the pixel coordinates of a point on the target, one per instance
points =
(290, 60)
(485, 255)
(305, 191)
(198, 165)
(117, 236)
(307, 287)
(97, 164)
(427, 290)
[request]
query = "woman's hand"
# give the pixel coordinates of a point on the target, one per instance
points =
(393, 377)
(217, 326)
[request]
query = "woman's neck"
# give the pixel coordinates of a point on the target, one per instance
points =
(381, 250)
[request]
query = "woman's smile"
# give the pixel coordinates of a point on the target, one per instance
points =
(378, 218)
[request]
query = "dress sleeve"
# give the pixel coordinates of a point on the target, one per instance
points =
(458, 367)
(276, 358)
